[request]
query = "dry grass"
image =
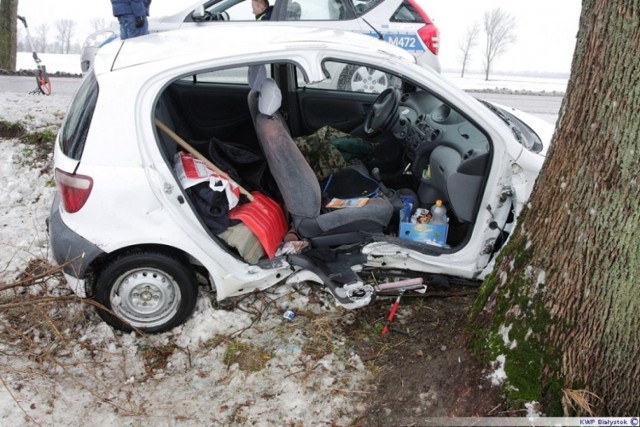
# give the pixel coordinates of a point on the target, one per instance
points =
(53, 340)
(41, 334)
(11, 130)
(249, 358)
(321, 335)
(578, 402)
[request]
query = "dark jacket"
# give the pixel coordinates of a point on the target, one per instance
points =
(266, 15)
(130, 7)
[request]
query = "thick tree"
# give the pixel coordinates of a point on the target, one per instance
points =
(562, 307)
(8, 34)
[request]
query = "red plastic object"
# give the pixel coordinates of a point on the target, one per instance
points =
(265, 218)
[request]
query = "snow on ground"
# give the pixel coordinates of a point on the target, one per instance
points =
(102, 377)
(54, 62)
(25, 194)
(475, 82)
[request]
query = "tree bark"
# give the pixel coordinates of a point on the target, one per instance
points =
(8, 34)
(566, 287)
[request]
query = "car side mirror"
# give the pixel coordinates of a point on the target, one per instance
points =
(198, 13)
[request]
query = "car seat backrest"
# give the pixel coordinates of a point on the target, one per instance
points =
(296, 180)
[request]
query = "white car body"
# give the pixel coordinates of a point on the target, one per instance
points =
(136, 201)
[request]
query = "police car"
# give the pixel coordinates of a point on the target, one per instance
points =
(402, 23)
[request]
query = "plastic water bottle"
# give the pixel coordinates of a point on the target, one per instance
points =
(438, 213)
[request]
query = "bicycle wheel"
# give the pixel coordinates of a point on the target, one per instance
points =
(44, 84)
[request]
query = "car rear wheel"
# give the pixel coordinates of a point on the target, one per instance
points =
(150, 291)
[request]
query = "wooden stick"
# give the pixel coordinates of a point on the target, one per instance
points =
(184, 144)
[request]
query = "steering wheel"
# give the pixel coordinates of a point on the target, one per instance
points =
(383, 111)
(215, 16)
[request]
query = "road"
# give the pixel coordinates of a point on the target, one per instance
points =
(18, 84)
(545, 107)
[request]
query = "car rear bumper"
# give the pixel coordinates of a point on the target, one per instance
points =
(73, 252)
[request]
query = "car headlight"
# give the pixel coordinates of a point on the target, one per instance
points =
(99, 39)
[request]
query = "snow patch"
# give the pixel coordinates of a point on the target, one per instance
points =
(504, 333)
(533, 409)
(498, 376)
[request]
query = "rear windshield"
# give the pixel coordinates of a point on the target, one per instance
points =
(76, 123)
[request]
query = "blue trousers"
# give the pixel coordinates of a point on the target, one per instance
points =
(128, 27)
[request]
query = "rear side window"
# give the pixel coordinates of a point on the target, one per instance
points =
(407, 13)
(233, 76)
(78, 120)
(327, 10)
(314, 10)
(364, 6)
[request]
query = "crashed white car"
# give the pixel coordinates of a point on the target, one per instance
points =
(239, 167)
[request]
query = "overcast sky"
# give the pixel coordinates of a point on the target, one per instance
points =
(546, 29)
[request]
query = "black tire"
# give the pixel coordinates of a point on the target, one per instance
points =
(151, 291)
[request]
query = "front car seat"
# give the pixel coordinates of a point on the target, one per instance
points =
(297, 183)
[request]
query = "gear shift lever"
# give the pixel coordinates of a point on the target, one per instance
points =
(375, 173)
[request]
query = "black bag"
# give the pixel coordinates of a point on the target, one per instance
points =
(246, 166)
(212, 206)
(349, 183)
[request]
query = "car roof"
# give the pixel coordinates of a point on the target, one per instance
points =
(213, 42)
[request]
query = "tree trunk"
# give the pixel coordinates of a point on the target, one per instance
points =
(563, 303)
(8, 34)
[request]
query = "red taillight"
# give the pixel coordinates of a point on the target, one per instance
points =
(428, 33)
(74, 190)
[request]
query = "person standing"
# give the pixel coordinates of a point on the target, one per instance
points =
(261, 9)
(132, 16)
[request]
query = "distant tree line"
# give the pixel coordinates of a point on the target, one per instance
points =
(57, 37)
(50, 37)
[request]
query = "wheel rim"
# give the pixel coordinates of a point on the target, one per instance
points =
(145, 297)
(369, 80)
